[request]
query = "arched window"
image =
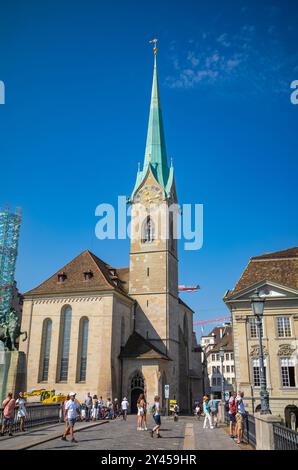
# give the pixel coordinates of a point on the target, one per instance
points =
(82, 349)
(137, 381)
(46, 348)
(65, 343)
(148, 230)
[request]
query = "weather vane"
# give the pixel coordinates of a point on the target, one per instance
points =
(154, 41)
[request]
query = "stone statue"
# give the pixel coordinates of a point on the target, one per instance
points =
(10, 331)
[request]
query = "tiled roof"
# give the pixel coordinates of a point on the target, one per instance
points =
(103, 277)
(280, 267)
(226, 342)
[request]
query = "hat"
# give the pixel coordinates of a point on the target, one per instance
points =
(72, 394)
(124, 398)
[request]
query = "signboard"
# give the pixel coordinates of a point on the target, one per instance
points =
(227, 396)
(167, 391)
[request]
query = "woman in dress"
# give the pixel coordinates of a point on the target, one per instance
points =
(22, 412)
(94, 407)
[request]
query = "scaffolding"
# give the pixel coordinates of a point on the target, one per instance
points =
(9, 236)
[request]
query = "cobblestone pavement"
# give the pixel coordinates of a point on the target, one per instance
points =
(186, 434)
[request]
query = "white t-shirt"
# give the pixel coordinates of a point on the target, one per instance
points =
(124, 405)
(157, 408)
(71, 409)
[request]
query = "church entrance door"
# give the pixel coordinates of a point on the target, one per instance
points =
(137, 387)
(135, 393)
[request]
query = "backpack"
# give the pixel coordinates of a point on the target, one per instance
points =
(213, 406)
(233, 407)
(152, 409)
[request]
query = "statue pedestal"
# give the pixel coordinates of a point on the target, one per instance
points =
(12, 373)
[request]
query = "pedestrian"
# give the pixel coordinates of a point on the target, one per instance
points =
(88, 403)
(213, 405)
(108, 414)
(156, 412)
(116, 408)
(8, 405)
(100, 405)
(124, 408)
(94, 407)
(240, 417)
(232, 413)
(143, 404)
(22, 412)
(72, 411)
(206, 411)
(140, 407)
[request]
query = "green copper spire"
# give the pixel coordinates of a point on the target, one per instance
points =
(155, 152)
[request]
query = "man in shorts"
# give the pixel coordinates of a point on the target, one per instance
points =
(72, 411)
(232, 413)
(240, 416)
(8, 405)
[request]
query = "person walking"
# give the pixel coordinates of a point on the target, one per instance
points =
(109, 408)
(22, 412)
(8, 405)
(232, 414)
(124, 408)
(240, 417)
(72, 411)
(206, 411)
(88, 403)
(140, 407)
(100, 405)
(156, 411)
(213, 406)
(94, 407)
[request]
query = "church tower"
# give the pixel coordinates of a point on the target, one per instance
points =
(153, 279)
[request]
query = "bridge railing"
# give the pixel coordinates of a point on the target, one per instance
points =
(37, 415)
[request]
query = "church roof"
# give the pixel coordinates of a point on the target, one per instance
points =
(155, 151)
(85, 273)
(138, 346)
(279, 266)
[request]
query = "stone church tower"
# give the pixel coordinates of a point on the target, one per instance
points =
(120, 331)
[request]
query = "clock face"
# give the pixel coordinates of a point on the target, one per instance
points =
(149, 194)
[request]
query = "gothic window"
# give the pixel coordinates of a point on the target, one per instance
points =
(148, 230)
(137, 381)
(65, 343)
(82, 349)
(122, 333)
(46, 347)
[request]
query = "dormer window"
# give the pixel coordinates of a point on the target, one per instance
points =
(88, 275)
(62, 277)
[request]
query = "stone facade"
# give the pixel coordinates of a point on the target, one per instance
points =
(280, 331)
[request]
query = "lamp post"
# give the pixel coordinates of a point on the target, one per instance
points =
(257, 305)
(222, 355)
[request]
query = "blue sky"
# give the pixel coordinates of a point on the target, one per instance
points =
(78, 82)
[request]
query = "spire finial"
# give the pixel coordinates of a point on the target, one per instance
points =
(154, 41)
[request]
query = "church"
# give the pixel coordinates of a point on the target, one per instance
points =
(113, 331)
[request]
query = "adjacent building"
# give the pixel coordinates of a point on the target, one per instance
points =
(219, 369)
(274, 276)
(117, 332)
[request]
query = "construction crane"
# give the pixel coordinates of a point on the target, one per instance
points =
(9, 236)
(188, 288)
(211, 320)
